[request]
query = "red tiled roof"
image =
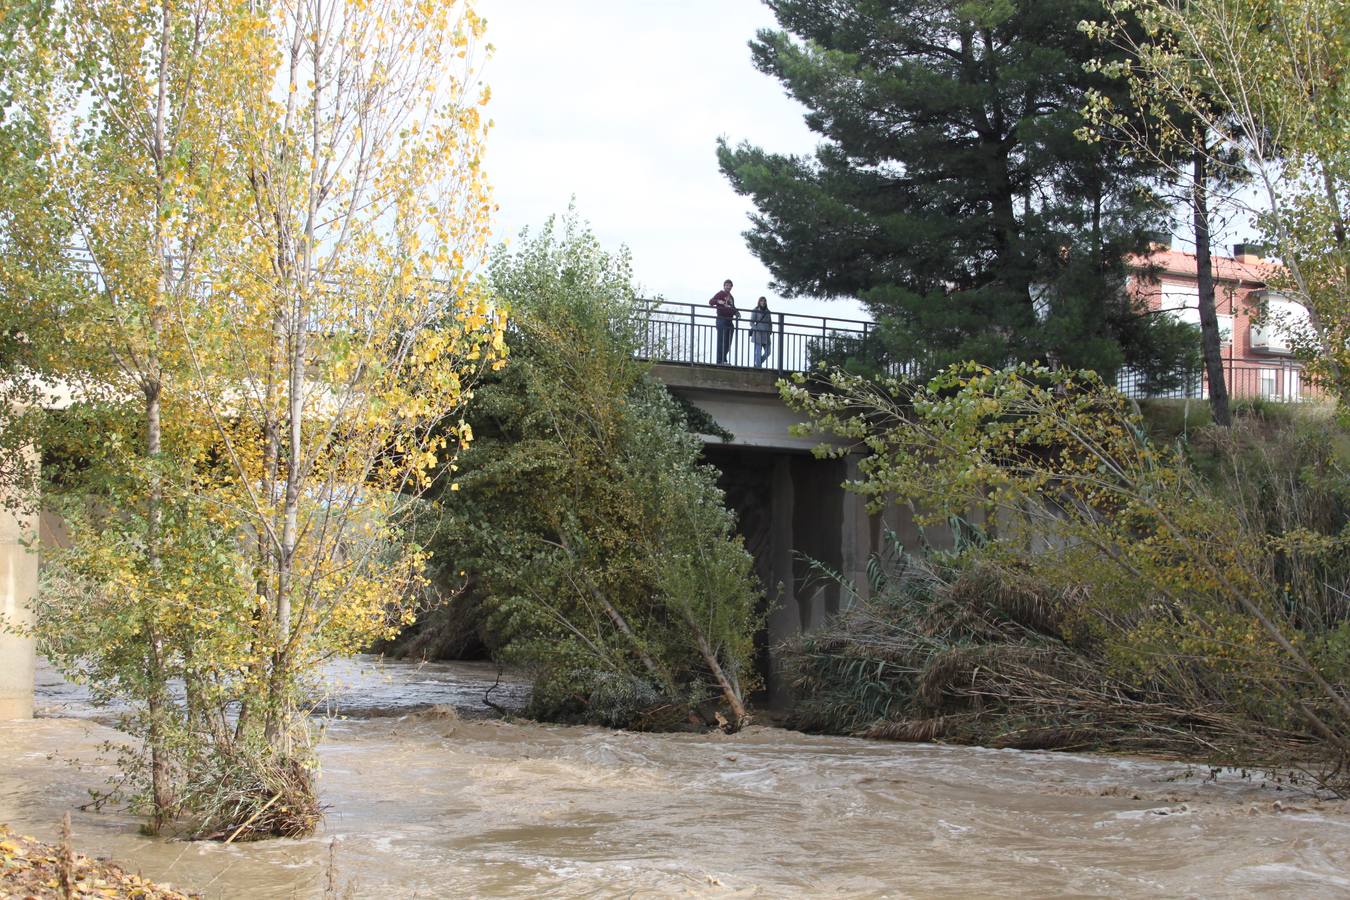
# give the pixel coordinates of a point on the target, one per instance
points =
(1226, 268)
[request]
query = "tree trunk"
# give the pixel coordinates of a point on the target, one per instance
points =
(278, 714)
(1204, 276)
(266, 559)
(622, 624)
(157, 695)
(662, 677)
(731, 690)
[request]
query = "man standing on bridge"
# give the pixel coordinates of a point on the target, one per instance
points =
(727, 314)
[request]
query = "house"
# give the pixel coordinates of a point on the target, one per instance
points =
(1255, 322)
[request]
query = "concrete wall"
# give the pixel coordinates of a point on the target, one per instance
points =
(18, 588)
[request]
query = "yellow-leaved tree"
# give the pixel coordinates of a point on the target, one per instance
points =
(142, 174)
(283, 208)
(354, 325)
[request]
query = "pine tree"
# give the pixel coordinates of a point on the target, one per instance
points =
(950, 193)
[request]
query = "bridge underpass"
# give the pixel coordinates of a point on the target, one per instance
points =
(791, 508)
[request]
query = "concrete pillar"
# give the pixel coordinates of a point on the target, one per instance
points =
(18, 587)
(855, 537)
(817, 518)
(783, 620)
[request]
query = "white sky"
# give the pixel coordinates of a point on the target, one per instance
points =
(620, 103)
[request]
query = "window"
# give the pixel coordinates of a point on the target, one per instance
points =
(1182, 302)
(1279, 324)
(1226, 330)
(1269, 383)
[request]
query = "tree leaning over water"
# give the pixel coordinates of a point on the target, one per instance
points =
(1115, 597)
(949, 192)
(283, 207)
(583, 519)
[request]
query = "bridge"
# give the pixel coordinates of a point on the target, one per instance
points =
(791, 507)
(680, 339)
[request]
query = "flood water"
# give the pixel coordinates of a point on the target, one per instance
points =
(423, 803)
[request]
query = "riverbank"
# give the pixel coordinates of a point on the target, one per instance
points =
(32, 869)
(429, 803)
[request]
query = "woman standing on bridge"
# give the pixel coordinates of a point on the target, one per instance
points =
(761, 326)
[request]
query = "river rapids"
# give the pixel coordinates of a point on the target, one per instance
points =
(422, 802)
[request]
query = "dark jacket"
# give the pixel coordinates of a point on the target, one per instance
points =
(725, 304)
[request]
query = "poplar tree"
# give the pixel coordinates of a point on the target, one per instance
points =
(270, 324)
(948, 192)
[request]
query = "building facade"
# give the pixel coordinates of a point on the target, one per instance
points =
(1255, 323)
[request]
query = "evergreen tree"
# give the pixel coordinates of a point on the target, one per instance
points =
(950, 192)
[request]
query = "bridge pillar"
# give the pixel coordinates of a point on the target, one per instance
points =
(818, 520)
(856, 541)
(780, 584)
(18, 588)
(783, 619)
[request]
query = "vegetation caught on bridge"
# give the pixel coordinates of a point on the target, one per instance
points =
(1107, 590)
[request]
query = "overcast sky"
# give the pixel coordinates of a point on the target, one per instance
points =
(620, 103)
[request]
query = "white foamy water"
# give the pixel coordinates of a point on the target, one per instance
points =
(427, 805)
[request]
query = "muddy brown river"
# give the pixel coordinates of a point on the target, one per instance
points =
(428, 804)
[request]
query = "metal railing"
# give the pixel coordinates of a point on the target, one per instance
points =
(688, 333)
(1277, 379)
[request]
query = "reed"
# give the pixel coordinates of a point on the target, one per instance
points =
(974, 652)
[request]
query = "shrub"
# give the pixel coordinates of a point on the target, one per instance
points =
(1117, 598)
(582, 518)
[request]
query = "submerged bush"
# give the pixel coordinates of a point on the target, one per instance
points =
(1116, 598)
(971, 651)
